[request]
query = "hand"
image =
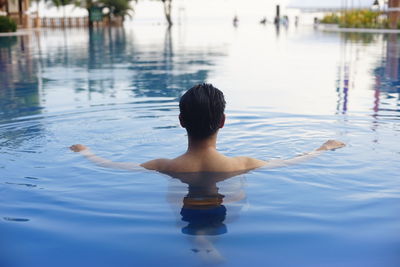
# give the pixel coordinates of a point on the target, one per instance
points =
(331, 144)
(78, 148)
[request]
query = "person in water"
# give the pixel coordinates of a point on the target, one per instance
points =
(202, 115)
(202, 167)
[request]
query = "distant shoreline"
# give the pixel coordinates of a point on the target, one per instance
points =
(336, 28)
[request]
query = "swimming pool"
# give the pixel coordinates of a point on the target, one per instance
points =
(116, 91)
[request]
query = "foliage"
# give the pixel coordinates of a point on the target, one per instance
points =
(332, 18)
(118, 8)
(7, 24)
(363, 18)
(60, 3)
(85, 3)
(357, 18)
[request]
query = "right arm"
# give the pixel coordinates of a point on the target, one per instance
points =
(102, 162)
(156, 164)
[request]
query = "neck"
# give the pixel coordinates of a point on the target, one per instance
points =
(196, 145)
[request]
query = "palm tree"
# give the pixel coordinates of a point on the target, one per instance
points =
(88, 4)
(117, 8)
(167, 11)
(63, 3)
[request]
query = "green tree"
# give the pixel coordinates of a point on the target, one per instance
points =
(88, 5)
(118, 8)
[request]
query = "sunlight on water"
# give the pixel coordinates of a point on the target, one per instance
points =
(116, 90)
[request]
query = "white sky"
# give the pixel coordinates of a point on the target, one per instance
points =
(192, 9)
(210, 9)
(331, 3)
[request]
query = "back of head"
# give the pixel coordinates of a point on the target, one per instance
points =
(202, 110)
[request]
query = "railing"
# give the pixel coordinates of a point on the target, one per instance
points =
(63, 22)
(69, 22)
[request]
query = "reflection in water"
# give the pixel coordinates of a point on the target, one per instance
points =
(203, 211)
(350, 55)
(71, 67)
(167, 73)
(111, 61)
(387, 74)
(19, 88)
(386, 85)
(65, 86)
(115, 58)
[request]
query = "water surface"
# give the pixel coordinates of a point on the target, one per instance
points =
(117, 90)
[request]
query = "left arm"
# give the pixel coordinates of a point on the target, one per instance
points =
(329, 145)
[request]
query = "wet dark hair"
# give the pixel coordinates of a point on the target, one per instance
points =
(202, 109)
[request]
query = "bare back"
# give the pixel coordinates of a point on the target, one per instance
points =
(211, 161)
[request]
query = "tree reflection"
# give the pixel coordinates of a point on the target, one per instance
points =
(167, 73)
(19, 89)
(114, 57)
(19, 93)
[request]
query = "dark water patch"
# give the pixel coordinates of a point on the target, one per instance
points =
(165, 127)
(23, 184)
(12, 219)
(33, 178)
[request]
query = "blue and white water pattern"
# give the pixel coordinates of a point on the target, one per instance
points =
(117, 90)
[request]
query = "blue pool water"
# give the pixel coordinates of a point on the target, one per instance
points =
(116, 91)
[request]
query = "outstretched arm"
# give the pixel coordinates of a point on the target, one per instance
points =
(329, 145)
(85, 151)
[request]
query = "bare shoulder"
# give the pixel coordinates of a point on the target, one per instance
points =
(250, 163)
(156, 164)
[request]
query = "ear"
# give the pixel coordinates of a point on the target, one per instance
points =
(222, 123)
(181, 121)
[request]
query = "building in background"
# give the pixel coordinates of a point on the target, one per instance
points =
(394, 13)
(18, 10)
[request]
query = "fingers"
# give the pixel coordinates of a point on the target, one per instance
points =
(333, 144)
(341, 144)
(78, 147)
